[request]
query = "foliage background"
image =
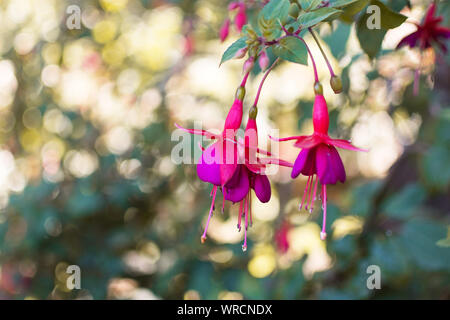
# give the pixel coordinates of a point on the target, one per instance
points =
(86, 178)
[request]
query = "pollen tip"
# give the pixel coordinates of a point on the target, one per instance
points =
(323, 235)
(310, 210)
(244, 247)
(203, 239)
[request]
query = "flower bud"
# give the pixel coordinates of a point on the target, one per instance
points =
(294, 10)
(336, 84)
(248, 65)
(224, 30)
(263, 60)
(233, 5)
(318, 89)
(240, 93)
(241, 53)
(253, 112)
(241, 18)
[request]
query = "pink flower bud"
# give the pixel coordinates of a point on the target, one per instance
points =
(263, 60)
(224, 30)
(248, 65)
(241, 18)
(240, 53)
(233, 5)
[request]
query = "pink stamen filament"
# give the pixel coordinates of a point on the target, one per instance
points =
(304, 193)
(240, 215)
(244, 246)
(315, 191)
(323, 234)
(250, 207)
(311, 200)
(203, 238)
(308, 198)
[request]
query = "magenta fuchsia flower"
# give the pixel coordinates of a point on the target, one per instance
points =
(224, 30)
(239, 20)
(250, 174)
(319, 160)
(428, 32)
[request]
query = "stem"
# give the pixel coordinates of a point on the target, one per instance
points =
(323, 52)
(244, 81)
(262, 81)
(316, 76)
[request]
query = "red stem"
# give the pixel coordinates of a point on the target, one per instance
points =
(262, 81)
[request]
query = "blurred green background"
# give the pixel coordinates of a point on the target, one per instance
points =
(86, 176)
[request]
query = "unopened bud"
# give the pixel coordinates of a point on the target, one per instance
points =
(263, 60)
(240, 93)
(240, 53)
(336, 84)
(224, 30)
(294, 10)
(253, 112)
(318, 89)
(248, 65)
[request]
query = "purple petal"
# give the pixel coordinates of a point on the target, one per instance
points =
(410, 40)
(208, 169)
(238, 186)
(329, 165)
(262, 187)
(338, 166)
(299, 163)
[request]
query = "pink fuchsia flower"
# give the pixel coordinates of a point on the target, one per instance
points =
(281, 237)
(241, 17)
(224, 30)
(250, 175)
(319, 160)
(218, 162)
(428, 32)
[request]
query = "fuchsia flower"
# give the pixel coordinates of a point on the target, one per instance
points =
(319, 160)
(224, 30)
(427, 33)
(281, 237)
(239, 20)
(250, 174)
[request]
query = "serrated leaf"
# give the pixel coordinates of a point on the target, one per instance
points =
(276, 9)
(310, 19)
(233, 49)
(389, 19)
(291, 49)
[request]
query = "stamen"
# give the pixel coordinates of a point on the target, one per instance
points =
(244, 246)
(304, 194)
(203, 238)
(323, 234)
(310, 194)
(240, 215)
(250, 207)
(314, 196)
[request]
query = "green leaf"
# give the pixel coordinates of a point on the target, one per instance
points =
(337, 41)
(443, 243)
(389, 19)
(419, 237)
(233, 49)
(276, 9)
(308, 5)
(310, 19)
(404, 203)
(370, 40)
(291, 49)
(340, 3)
(352, 9)
(436, 169)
